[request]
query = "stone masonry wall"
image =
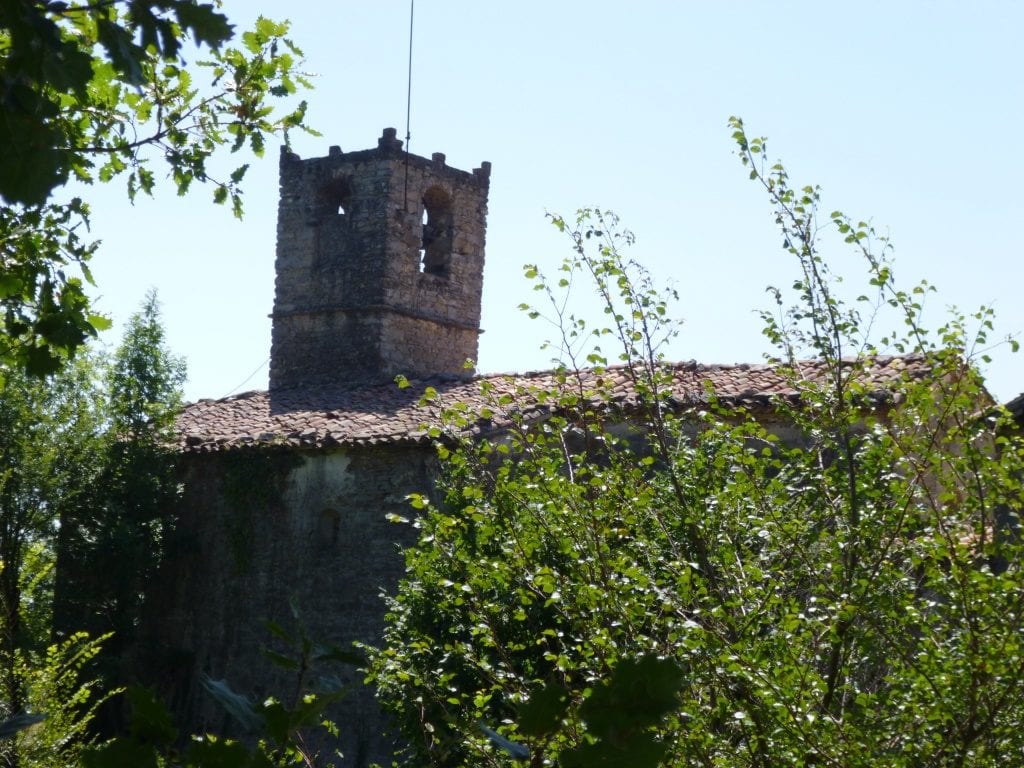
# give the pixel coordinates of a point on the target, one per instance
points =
(413, 348)
(373, 246)
(259, 531)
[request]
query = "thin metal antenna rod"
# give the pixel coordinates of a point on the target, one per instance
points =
(408, 108)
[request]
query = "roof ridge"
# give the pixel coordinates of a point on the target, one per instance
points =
(693, 365)
(327, 415)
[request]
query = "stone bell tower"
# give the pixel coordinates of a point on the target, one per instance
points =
(380, 259)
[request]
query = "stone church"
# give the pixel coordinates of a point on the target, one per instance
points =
(287, 492)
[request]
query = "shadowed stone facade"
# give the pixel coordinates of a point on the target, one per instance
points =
(261, 532)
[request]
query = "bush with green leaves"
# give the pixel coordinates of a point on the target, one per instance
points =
(851, 597)
(57, 682)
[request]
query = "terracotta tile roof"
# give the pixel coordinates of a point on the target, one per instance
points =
(322, 417)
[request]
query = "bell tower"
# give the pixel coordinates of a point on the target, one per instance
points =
(380, 258)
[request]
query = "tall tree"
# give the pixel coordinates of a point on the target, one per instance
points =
(110, 545)
(92, 91)
(50, 447)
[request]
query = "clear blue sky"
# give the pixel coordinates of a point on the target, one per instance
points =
(905, 113)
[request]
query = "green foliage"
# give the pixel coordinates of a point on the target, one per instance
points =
(613, 582)
(144, 381)
(110, 542)
(57, 686)
(85, 483)
(93, 91)
(618, 716)
(46, 312)
(278, 733)
(151, 738)
(45, 429)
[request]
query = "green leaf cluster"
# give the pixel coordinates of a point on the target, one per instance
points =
(64, 699)
(93, 91)
(625, 579)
